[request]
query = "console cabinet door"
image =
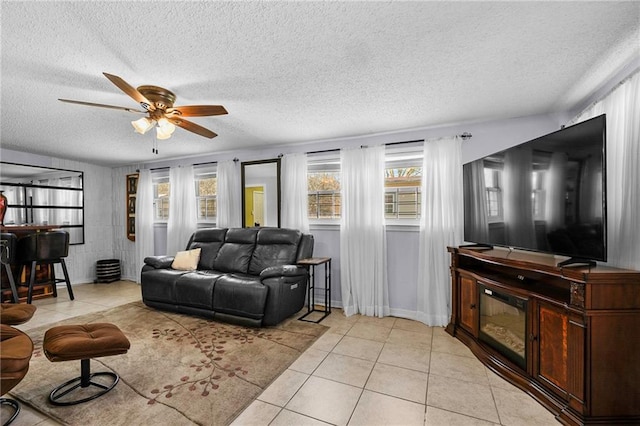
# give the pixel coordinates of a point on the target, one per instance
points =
(558, 342)
(468, 305)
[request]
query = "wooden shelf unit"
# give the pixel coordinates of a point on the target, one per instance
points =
(581, 326)
(132, 189)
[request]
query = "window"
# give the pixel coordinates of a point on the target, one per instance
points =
(403, 184)
(205, 187)
(403, 194)
(538, 194)
(493, 184)
(161, 191)
(493, 181)
(323, 182)
(207, 193)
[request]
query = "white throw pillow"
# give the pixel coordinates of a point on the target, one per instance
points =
(186, 260)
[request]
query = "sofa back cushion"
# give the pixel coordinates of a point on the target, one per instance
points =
(235, 254)
(209, 241)
(274, 247)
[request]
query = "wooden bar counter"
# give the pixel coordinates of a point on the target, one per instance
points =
(43, 272)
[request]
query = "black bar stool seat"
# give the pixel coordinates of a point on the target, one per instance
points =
(45, 248)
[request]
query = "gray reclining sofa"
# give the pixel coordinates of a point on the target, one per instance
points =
(247, 276)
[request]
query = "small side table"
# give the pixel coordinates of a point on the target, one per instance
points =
(311, 264)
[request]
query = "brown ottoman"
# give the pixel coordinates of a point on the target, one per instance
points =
(83, 342)
(16, 313)
(15, 352)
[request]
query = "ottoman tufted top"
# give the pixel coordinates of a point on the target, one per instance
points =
(71, 342)
(15, 352)
(16, 313)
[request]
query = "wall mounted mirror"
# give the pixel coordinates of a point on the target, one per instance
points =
(261, 193)
(44, 196)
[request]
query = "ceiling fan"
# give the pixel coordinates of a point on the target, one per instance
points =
(158, 104)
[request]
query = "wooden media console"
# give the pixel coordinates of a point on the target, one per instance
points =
(578, 349)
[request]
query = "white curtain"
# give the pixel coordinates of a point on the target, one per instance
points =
(555, 187)
(39, 198)
(518, 205)
(144, 220)
(622, 107)
(441, 225)
(295, 213)
(363, 256)
(590, 204)
(183, 218)
(229, 195)
(476, 217)
(13, 216)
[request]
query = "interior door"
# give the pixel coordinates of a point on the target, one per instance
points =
(258, 208)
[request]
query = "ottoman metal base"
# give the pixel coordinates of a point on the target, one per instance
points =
(13, 404)
(83, 342)
(82, 382)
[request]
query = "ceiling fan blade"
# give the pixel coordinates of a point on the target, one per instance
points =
(192, 127)
(197, 110)
(102, 106)
(131, 91)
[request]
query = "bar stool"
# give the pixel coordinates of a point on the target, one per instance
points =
(45, 248)
(8, 246)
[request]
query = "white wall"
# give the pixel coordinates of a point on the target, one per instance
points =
(402, 242)
(99, 228)
(105, 235)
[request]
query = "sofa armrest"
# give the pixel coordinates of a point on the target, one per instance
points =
(283, 271)
(159, 262)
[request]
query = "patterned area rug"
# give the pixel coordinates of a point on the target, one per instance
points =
(180, 370)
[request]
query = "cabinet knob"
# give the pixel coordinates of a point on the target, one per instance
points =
(473, 306)
(533, 337)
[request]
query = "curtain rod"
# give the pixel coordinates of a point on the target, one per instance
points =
(205, 163)
(601, 98)
(464, 136)
(194, 164)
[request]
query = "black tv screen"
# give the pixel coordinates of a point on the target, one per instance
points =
(546, 195)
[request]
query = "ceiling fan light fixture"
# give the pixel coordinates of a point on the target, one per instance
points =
(142, 125)
(158, 104)
(161, 135)
(166, 126)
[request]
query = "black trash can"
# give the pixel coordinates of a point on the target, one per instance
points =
(108, 270)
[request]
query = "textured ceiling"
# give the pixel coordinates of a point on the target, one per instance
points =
(296, 71)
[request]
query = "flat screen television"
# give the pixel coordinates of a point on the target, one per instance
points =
(546, 195)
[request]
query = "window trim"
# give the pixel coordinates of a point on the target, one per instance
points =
(405, 157)
(158, 177)
(212, 171)
(324, 163)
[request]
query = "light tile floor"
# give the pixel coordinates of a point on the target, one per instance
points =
(362, 371)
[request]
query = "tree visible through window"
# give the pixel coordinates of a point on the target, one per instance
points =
(161, 191)
(403, 195)
(324, 201)
(403, 182)
(206, 196)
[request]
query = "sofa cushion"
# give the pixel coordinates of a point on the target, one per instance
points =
(241, 295)
(209, 240)
(235, 254)
(274, 247)
(186, 260)
(196, 289)
(159, 284)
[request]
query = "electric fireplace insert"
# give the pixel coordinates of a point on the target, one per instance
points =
(503, 323)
